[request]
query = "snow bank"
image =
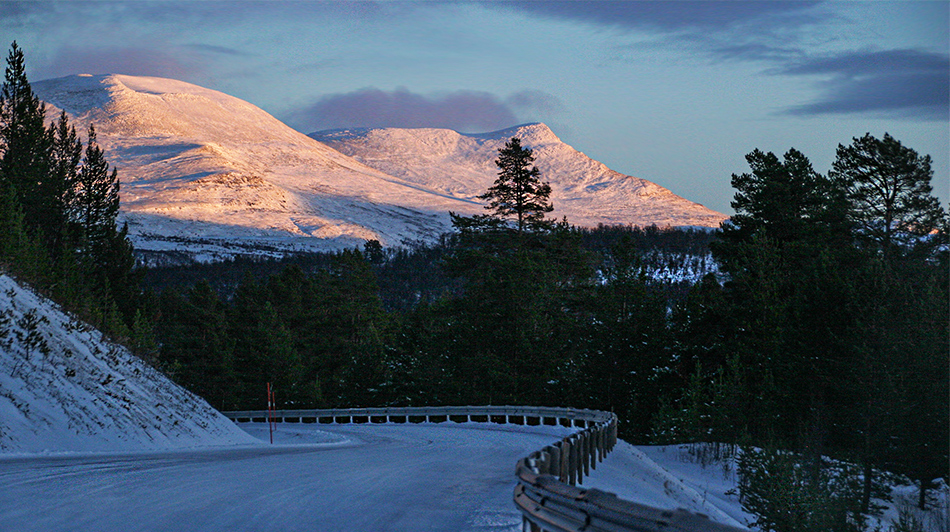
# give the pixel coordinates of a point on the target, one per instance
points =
(63, 387)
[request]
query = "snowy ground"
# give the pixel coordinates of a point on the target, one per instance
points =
(438, 477)
(64, 387)
(368, 478)
(426, 477)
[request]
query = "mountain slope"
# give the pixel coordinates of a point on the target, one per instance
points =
(205, 172)
(209, 176)
(462, 165)
(63, 387)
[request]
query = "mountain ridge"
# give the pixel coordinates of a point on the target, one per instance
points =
(584, 190)
(211, 176)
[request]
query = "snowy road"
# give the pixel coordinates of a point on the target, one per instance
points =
(369, 478)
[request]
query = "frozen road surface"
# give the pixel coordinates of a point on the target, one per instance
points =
(445, 477)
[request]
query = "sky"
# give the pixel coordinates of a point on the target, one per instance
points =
(673, 92)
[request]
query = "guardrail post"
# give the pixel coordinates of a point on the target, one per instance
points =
(594, 447)
(579, 459)
(565, 460)
(600, 444)
(571, 462)
(587, 454)
(555, 453)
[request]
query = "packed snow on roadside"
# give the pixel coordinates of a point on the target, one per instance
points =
(65, 387)
(686, 476)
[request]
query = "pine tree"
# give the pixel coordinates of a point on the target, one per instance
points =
(889, 188)
(784, 201)
(61, 183)
(518, 189)
(97, 199)
(24, 165)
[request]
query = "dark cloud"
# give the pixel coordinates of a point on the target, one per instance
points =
(218, 50)
(662, 15)
(864, 63)
(534, 101)
(903, 83)
(467, 111)
(16, 10)
(137, 61)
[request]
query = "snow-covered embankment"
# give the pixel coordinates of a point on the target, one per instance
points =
(64, 387)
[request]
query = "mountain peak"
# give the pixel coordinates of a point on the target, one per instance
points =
(532, 134)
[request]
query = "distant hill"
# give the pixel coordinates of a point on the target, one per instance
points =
(462, 166)
(207, 176)
(63, 387)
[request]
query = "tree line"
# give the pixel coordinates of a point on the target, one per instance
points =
(59, 200)
(830, 338)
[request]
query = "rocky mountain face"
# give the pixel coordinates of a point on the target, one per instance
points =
(206, 176)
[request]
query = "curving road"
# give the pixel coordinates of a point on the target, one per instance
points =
(428, 477)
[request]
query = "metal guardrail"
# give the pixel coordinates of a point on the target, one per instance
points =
(568, 417)
(546, 493)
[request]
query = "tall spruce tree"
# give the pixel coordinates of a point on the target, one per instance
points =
(62, 180)
(24, 165)
(518, 190)
(97, 198)
(785, 250)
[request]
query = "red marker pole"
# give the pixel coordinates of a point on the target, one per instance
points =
(271, 412)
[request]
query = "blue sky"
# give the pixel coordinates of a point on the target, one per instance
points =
(673, 92)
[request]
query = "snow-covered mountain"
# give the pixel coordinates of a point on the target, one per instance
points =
(209, 176)
(462, 166)
(63, 387)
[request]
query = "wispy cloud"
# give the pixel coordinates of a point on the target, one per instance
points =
(903, 83)
(137, 61)
(216, 50)
(468, 111)
(899, 83)
(757, 51)
(664, 15)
